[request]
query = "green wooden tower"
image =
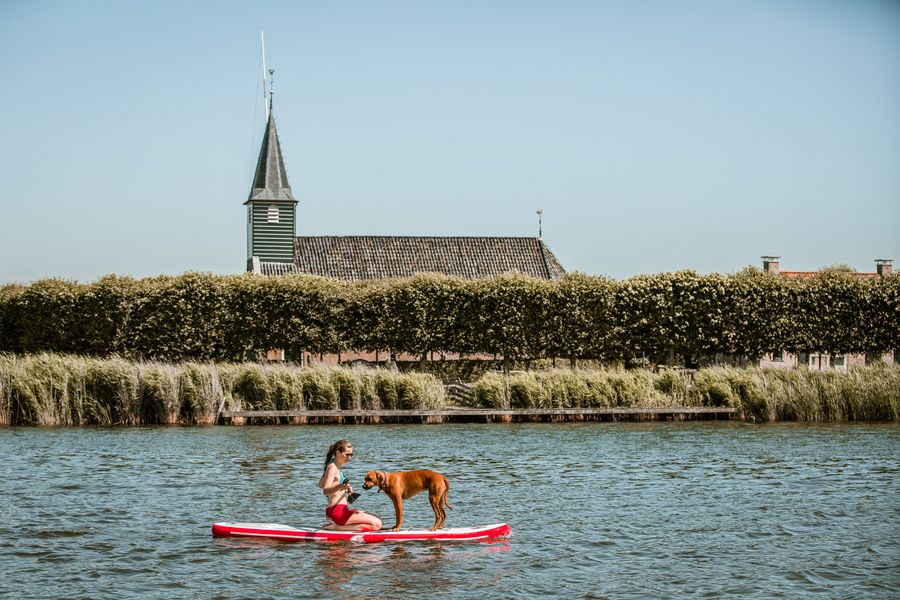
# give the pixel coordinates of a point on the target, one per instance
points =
(271, 208)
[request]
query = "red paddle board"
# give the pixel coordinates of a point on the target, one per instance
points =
(286, 532)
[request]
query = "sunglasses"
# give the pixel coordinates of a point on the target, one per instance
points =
(348, 454)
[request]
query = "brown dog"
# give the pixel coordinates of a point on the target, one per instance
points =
(406, 484)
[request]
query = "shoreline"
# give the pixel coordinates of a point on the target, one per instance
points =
(559, 415)
(71, 390)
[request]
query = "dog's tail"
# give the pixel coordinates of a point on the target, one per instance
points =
(444, 501)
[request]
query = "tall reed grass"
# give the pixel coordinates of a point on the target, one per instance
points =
(57, 389)
(568, 388)
(870, 393)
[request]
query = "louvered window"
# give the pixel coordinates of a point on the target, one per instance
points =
(273, 214)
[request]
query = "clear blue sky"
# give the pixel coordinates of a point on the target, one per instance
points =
(655, 136)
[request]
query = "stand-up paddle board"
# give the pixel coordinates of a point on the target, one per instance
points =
(286, 532)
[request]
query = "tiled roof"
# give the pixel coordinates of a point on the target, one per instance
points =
(356, 258)
(273, 268)
(811, 274)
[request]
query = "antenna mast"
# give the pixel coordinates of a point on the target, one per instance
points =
(262, 44)
(271, 88)
(539, 214)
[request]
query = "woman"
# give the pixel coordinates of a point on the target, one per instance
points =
(334, 485)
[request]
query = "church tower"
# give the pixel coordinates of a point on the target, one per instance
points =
(271, 208)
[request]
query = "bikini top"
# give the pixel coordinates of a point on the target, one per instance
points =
(341, 477)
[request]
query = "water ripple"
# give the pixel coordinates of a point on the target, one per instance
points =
(655, 510)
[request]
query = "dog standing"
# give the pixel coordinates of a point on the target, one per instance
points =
(406, 484)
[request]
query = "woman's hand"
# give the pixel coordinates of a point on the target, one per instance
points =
(339, 487)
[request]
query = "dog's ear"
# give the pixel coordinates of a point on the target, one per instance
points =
(379, 478)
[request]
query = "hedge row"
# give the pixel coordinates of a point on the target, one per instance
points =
(670, 317)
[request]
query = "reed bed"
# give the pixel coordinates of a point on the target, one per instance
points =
(870, 393)
(57, 389)
(572, 388)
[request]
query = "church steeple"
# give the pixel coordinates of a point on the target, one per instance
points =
(270, 181)
(271, 207)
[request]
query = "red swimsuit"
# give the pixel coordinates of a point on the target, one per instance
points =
(340, 513)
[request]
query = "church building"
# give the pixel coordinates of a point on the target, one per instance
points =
(273, 247)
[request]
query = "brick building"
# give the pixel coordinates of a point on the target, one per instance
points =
(821, 360)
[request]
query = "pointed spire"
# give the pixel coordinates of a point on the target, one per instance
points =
(270, 181)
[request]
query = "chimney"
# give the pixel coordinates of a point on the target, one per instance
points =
(770, 264)
(883, 266)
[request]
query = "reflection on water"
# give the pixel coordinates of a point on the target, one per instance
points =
(337, 563)
(597, 510)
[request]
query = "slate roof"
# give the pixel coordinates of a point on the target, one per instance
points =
(813, 274)
(357, 258)
(270, 181)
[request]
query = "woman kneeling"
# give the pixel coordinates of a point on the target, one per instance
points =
(334, 485)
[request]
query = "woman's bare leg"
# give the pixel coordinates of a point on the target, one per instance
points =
(363, 521)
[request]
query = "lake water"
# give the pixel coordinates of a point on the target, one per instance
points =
(617, 510)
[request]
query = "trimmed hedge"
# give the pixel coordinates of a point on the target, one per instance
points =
(667, 318)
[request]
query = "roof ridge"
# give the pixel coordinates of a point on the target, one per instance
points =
(429, 237)
(541, 248)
